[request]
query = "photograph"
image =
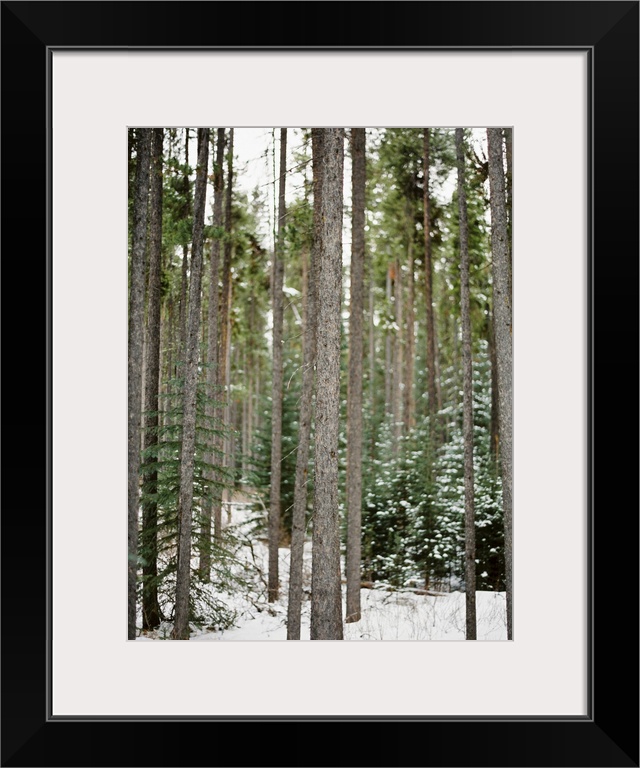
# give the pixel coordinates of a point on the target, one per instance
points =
(334, 316)
(319, 383)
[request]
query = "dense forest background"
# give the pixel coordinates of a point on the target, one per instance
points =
(319, 338)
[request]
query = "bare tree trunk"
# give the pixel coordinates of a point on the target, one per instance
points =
(184, 285)
(168, 345)
(398, 360)
(255, 382)
(169, 334)
(224, 332)
(409, 405)
(257, 421)
(508, 141)
(228, 420)
(276, 380)
(184, 292)
(437, 368)
(149, 535)
(212, 411)
(234, 419)
(135, 344)
(495, 408)
(467, 390)
(428, 273)
(354, 392)
(162, 415)
(388, 350)
(372, 364)
(246, 372)
(300, 493)
(326, 592)
(504, 355)
(185, 504)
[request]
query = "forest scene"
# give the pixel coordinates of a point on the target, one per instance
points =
(319, 384)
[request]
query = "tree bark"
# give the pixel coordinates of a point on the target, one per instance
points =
(306, 404)
(409, 406)
(508, 143)
(388, 349)
(467, 394)
(246, 372)
(502, 313)
(185, 504)
(354, 391)
(135, 345)
(184, 284)
(372, 363)
(428, 283)
(212, 411)
(224, 330)
(228, 418)
(254, 382)
(398, 359)
(495, 408)
(276, 380)
(326, 594)
(149, 536)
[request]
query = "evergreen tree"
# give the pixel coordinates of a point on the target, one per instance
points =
(276, 380)
(354, 397)
(150, 607)
(301, 491)
(212, 357)
(428, 283)
(135, 347)
(185, 510)
(326, 600)
(504, 357)
(467, 374)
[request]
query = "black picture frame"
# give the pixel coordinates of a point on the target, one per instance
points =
(608, 736)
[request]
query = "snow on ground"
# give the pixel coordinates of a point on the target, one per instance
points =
(386, 615)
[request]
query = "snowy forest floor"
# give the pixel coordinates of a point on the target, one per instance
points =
(386, 615)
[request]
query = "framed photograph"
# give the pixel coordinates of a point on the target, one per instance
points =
(564, 78)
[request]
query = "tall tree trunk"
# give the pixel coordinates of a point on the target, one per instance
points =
(398, 359)
(212, 412)
(169, 358)
(246, 372)
(508, 141)
(354, 391)
(164, 353)
(149, 536)
(495, 408)
(504, 353)
(276, 380)
(184, 284)
(439, 402)
(253, 389)
(428, 283)
(257, 421)
(228, 419)
(326, 593)
(372, 363)
(185, 503)
(300, 493)
(224, 329)
(184, 297)
(467, 397)
(135, 344)
(409, 406)
(388, 348)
